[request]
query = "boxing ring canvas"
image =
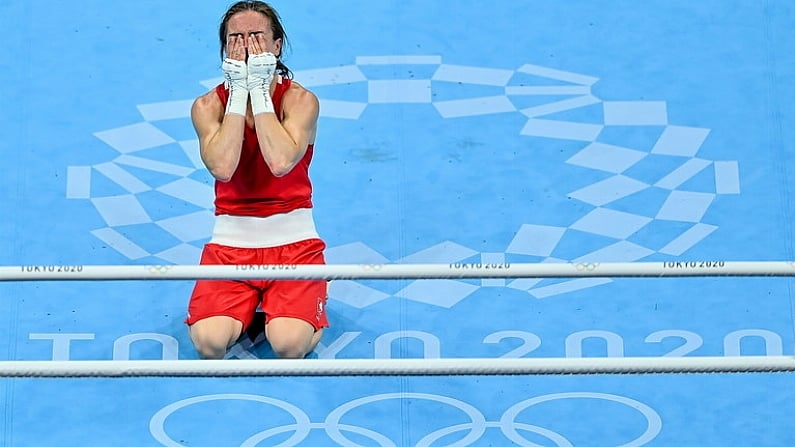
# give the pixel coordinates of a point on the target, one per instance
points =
(455, 133)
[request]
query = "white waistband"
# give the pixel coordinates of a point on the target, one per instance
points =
(271, 231)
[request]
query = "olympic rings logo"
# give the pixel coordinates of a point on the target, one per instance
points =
(372, 267)
(586, 266)
(334, 427)
(158, 269)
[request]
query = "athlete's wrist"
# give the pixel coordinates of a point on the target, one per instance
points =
(261, 101)
(261, 71)
(235, 74)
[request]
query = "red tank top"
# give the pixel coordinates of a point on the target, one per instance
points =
(253, 189)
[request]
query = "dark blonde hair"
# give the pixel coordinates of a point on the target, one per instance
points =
(276, 27)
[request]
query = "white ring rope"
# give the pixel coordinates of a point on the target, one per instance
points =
(397, 271)
(411, 367)
(394, 367)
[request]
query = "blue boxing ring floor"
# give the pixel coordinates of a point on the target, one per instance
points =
(515, 132)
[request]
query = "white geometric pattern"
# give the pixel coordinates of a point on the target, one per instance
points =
(191, 189)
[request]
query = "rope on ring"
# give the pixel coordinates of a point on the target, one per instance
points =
(394, 367)
(397, 271)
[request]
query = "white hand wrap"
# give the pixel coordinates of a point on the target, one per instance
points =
(235, 73)
(261, 69)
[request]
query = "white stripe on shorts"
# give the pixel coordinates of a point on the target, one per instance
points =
(261, 232)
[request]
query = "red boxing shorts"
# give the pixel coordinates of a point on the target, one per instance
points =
(239, 299)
